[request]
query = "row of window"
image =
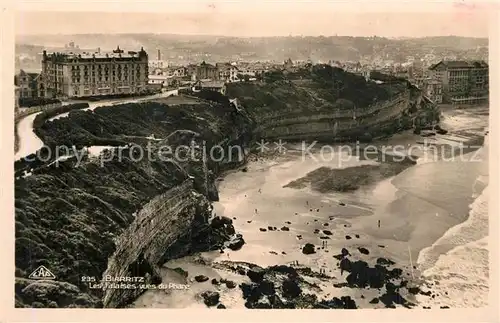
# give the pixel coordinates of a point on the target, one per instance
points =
(105, 79)
(454, 81)
(101, 86)
(76, 92)
(117, 66)
(53, 72)
(458, 88)
(458, 73)
(77, 74)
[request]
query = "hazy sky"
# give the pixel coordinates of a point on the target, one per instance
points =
(256, 18)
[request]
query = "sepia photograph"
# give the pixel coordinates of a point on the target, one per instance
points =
(226, 155)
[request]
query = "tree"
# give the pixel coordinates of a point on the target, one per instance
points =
(273, 76)
(244, 77)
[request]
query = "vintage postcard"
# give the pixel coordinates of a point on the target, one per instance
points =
(247, 155)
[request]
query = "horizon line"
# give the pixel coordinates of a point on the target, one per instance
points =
(242, 36)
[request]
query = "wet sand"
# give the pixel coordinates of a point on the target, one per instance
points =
(302, 211)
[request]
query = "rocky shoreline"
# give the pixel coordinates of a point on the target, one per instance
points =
(300, 287)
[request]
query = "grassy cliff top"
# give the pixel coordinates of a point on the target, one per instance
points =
(319, 88)
(67, 215)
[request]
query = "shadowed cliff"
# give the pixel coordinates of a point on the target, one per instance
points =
(74, 218)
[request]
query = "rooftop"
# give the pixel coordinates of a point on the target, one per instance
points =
(205, 64)
(225, 66)
(461, 64)
(212, 84)
(117, 53)
(157, 77)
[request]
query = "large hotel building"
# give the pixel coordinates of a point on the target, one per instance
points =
(69, 75)
(463, 82)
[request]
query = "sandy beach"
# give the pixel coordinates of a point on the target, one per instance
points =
(415, 208)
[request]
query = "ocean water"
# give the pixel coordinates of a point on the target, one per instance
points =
(460, 276)
(457, 264)
(440, 210)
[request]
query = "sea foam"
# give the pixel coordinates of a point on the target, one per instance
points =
(457, 264)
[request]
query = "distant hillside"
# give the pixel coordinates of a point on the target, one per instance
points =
(180, 49)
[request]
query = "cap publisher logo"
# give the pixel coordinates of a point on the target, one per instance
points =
(42, 273)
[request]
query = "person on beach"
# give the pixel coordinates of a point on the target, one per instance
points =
(255, 211)
(379, 223)
(260, 191)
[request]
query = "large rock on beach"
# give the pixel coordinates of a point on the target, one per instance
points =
(364, 251)
(290, 288)
(236, 243)
(308, 249)
(210, 298)
(201, 278)
(256, 274)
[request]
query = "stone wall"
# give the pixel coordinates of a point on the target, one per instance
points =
(19, 114)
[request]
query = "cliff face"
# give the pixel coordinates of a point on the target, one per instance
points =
(180, 212)
(325, 103)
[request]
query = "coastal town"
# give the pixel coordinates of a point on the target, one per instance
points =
(76, 74)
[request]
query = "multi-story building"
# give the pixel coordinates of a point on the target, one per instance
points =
(28, 84)
(206, 71)
(178, 71)
(227, 72)
(70, 75)
(434, 91)
(158, 79)
(463, 82)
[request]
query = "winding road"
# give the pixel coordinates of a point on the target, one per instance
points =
(29, 141)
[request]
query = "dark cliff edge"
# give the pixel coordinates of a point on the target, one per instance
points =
(120, 215)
